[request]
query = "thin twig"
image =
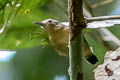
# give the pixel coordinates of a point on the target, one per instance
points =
(102, 3)
(100, 18)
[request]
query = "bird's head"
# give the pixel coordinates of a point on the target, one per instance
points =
(48, 23)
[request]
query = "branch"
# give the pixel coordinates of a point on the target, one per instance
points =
(102, 18)
(77, 24)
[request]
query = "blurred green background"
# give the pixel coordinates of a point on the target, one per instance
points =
(35, 58)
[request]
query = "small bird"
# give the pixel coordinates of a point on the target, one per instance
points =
(58, 33)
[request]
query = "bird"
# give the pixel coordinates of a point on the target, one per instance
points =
(58, 33)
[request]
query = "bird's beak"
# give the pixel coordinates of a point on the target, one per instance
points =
(39, 23)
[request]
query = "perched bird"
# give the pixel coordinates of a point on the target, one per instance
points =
(58, 33)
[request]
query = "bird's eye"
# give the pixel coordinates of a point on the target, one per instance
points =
(50, 21)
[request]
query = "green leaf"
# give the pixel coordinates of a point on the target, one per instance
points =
(95, 43)
(18, 34)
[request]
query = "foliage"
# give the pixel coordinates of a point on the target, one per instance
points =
(17, 17)
(21, 33)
